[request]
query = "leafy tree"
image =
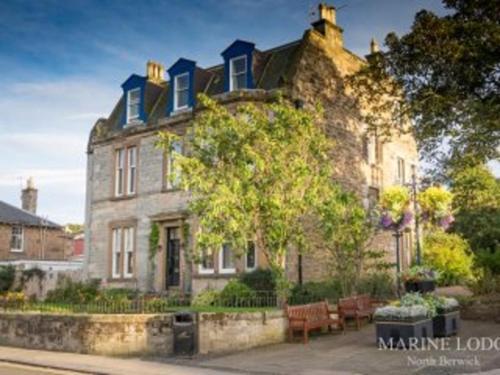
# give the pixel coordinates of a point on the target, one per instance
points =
(254, 174)
(443, 76)
(450, 255)
(476, 200)
(346, 231)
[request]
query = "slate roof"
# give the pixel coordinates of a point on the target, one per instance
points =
(13, 215)
(270, 67)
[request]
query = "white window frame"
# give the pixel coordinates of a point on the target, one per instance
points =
(254, 256)
(177, 146)
(176, 78)
(120, 172)
(128, 251)
(206, 271)
(223, 270)
(401, 170)
(129, 104)
(13, 249)
(131, 180)
(116, 248)
(232, 75)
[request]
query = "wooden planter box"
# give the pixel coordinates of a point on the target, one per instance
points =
(399, 333)
(424, 286)
(446, 324)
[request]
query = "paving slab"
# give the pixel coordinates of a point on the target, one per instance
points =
(356, 352)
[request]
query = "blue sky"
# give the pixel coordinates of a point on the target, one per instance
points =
(62, 64)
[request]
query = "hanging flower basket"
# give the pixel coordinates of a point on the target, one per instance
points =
(435, 203)
(395, 205)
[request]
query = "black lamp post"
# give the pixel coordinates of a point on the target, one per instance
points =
(397, 235)
(414, 189)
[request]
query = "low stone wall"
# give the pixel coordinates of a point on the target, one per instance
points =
(89, 334)
(226, 332)
(128, 334)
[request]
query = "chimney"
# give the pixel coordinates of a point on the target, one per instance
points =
(374, 48)
(327, 25)
(154, 71)
(29, 196)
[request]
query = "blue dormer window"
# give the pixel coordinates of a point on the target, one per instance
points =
(133, 94)
(181, 91)
(133, 104)
(238, 61)
(238, 73)
(181, 95)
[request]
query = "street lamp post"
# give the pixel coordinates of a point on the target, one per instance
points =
(414, 187)
(397, 235)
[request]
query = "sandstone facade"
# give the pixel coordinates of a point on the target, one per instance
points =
(312, 69)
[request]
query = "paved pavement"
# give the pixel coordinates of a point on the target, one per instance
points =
(91, 364)
(352, 353)
(356, 353)
(13, 369)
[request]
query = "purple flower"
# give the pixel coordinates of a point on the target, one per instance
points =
(446, 221)
(386, 220)
(407, 217)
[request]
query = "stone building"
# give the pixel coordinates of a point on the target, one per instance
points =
(127, 185)
(25, 237)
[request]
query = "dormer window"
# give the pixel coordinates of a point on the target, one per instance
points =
(181, 93)
(133, 104)
(238, 73)
(238, 63)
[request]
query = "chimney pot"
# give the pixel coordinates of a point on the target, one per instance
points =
(155, 71)
(374, 47)
(328, 13)
(29, 196)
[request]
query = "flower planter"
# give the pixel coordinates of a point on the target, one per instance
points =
(446, 324)
(402, 334)
(423, 286)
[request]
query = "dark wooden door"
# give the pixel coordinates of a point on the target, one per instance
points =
(173, 257)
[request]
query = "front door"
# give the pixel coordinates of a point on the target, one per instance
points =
(173, 257)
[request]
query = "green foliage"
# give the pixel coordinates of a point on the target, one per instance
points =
(476, 200)
(154, 239)
(435, 204)
(443, 76)
(69, 291)
(314, 291)
(486, 282)
(395, 200)
(489, 260)
(7, 277)
(254, 174)
(118, 295)
(345, 230)
(379, 285)
(235, 291)
(205, 298)
(418, 273)
(450, 256)
(74, 228)
(262, 279)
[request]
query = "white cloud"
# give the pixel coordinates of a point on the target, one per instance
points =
(44, 130)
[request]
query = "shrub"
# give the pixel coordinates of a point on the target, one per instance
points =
(235, 293)
(260, 279)
(12, 298)
(450, 255)
(117, 295)
(489, 259)
(7, 277)
(69, 291)
(208, 297)
(377, 285)
(314, 291)
(486, 282)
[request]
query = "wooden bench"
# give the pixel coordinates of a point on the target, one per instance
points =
(308, 317)
(356, 307)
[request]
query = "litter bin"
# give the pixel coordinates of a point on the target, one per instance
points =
(184, 327)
